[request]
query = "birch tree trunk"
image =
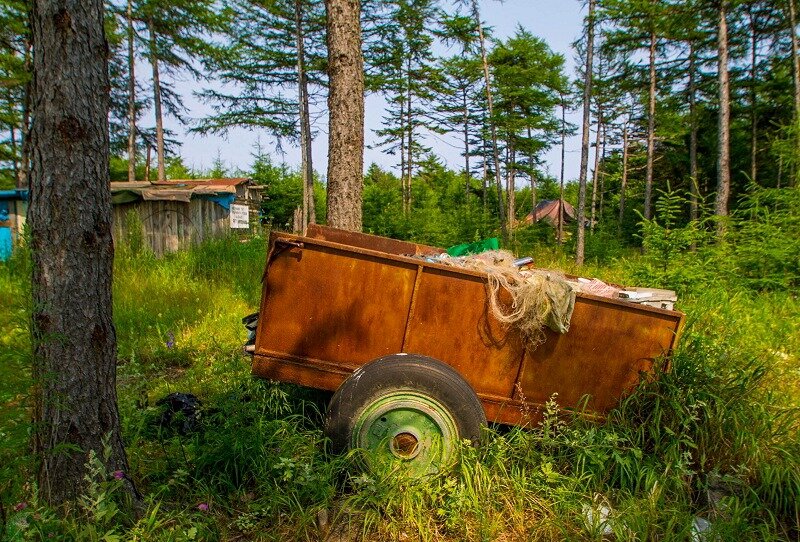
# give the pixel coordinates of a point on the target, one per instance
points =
(309, 215)
(162, 172)
(723, 161)
(346, 114)
(74, 341)
(131, 98)
(587, 97)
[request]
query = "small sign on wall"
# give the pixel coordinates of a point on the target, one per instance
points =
(240, 216)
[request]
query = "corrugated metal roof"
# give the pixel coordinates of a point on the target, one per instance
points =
(230, 181)
(177, 189)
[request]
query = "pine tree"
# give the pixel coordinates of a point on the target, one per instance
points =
(176, 37)
(528, 83)
(407, 75)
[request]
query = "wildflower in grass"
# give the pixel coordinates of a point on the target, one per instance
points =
(119, 475)
(203, 507)
(20, 506)
(170, 339)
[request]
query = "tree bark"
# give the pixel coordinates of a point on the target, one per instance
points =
(492, 128)
(162, 172)
(651, 130)
(74, 341)
(624, 181)
(131, 98)
(587, 97)
(346, 110)
(309, 215)
(723, 161)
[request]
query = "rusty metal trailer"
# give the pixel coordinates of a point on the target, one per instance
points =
(415, 353)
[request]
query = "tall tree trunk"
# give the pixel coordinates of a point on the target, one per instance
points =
(602, 173)
(511, 188)
(306, 166)
(492, 128)
(694, 189)
(410, 146)
(468, 175)
(595, 172)
(624, 182)
(532, 177)
(74, 341)
(23, 177)
(131, 98)
(723, 162)
(651, 129)
(346, 120)
(16, 162)
(795, 74)
(403, 153)
(561, 182)
(587, 97)
(162, 172)
(753, 98)
(147, 161)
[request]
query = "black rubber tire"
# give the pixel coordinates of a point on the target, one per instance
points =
(403, 372)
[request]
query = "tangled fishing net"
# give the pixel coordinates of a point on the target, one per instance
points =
(539, 298)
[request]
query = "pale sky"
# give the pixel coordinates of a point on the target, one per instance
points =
(558, 22)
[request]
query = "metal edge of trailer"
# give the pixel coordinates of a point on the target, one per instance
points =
(329, 375)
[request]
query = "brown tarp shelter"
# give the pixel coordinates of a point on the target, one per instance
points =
(548, 209)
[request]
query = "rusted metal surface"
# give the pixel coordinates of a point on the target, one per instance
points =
(333, 301)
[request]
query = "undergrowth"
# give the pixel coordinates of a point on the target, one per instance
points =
(712, 444)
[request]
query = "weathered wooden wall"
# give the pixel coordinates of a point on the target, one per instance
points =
(168, 226)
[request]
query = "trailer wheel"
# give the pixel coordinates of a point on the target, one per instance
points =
(404, 410)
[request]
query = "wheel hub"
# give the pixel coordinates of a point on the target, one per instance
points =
(405, 445)
(406, 429)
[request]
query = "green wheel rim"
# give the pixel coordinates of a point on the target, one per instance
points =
(406, 430)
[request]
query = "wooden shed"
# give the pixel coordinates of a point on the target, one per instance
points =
(175, 214)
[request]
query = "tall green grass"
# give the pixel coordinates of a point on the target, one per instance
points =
(723, 422)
